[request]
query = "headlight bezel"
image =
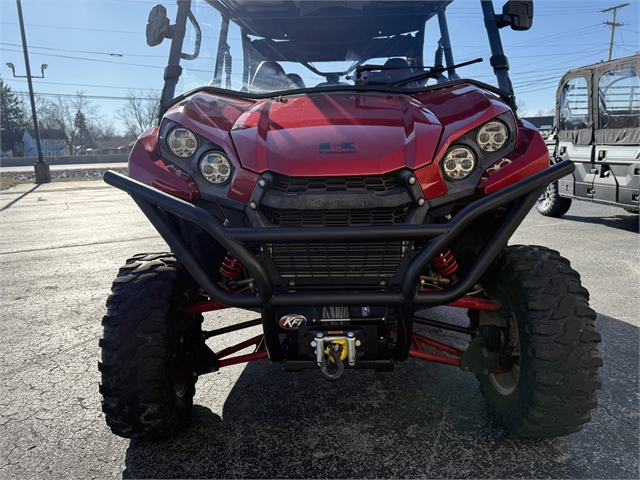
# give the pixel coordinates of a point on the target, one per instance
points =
(191, 137)
(504, 133)
(191, 165)
(448, 170)
(483, 159)
(221, 160)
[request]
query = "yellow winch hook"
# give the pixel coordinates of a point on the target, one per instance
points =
(344, 351)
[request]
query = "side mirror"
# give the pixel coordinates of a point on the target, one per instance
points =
(518, 14)
(158, 26)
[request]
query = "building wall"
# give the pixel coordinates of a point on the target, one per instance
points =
(50, 147)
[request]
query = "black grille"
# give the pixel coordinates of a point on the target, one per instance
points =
(335, 184)
(337, 259)
(336, 218)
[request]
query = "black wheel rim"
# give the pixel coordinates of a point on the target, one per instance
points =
(180, 375)
(505, 383)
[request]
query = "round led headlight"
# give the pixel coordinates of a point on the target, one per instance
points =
(458, 163)
(215, 167)
(182, 142)
(492, 136)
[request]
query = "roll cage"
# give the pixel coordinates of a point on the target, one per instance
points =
(329, 31)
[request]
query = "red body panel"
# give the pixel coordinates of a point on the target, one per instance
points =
(146, 166)
(339, 135)
(461, 109)
(530, 156)
(213, 117)
(336, 135)
(210, 115)
(431, 181)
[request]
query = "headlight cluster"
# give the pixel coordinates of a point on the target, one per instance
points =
(460, 161)
(492, 136)
(182, 142)
(214, 166)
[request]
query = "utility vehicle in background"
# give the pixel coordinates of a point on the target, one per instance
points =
(331, 178)
(597, 127)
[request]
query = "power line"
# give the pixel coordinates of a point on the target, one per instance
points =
(67, 95)
(87, 59)
(97, 30)
(88, 85)
(548, 39)
(102, 61)
(555, 38)
(74, 28)
(98, 53)
(84, 51)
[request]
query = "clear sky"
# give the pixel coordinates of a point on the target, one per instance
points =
(99, 47)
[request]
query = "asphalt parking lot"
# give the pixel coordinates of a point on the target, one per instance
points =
(60, 247)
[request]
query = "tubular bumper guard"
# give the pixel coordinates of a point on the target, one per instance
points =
(522, 195)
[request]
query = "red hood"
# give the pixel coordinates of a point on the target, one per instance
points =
(345, 134)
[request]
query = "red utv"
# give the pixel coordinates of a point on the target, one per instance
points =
(328, 176)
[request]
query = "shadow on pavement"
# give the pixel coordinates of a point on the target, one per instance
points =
(422, 420)
(628, 222)
(10, 204)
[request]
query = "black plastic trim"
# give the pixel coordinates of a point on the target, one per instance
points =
(340, 88)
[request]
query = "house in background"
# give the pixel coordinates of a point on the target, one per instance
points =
(110, 147)
(52, 142)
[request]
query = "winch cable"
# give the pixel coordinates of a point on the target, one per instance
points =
(334, 352)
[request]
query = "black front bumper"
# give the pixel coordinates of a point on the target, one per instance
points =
(519, 197)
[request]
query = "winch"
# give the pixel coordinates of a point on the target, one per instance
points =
(335, 349)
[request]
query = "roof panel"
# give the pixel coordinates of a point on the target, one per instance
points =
(345, 20)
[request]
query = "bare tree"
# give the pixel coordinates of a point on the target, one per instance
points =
(101, 129)
(545, 113)
(76, 116)
(522, 107)
(140, 111)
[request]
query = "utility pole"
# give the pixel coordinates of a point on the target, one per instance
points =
(42, 171)
(613, 23)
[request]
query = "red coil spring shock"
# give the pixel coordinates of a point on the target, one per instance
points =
(445, 264)
(231, 267)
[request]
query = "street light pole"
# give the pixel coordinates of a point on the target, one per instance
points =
(43, 174)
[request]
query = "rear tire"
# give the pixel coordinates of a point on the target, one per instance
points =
(551, 204)
(146, 392)
(551, 388)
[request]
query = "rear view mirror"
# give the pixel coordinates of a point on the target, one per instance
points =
(157, 26)
(518, 14)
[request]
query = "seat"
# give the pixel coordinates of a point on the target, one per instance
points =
(387, 77)
(270, 77)
(296, 79)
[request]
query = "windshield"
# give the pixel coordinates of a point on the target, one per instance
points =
(273, 46)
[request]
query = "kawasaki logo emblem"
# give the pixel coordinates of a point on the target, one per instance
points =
(292, 321)
(344, 148)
